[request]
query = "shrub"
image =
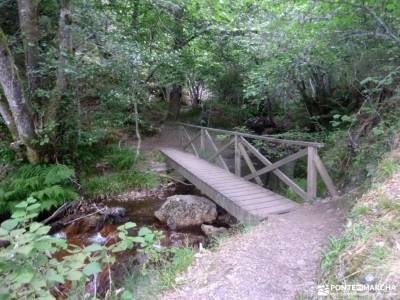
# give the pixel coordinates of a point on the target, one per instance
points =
(121, 158)
(49, 184)
(28, 267)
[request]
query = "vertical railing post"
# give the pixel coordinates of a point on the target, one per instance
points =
(181, 136)
(202, 142)
(238, 164)
(311, 174)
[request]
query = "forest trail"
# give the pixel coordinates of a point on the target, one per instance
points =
(169, 136)
(278, 259)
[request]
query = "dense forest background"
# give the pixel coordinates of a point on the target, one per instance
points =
(81, 80)
(75, 72)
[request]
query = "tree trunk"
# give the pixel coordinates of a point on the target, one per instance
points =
(176, 92)
(28, 23)
(175, 101)
(8, 119)
(64, 50)
(18, 106)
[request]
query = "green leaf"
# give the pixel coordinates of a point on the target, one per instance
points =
(138, 239)
(3, 232)
(24, 276)
(18, 214)
(9, 224)
(25, 250)
(31, 200)
(74, 275)
(93, 248)
(43, 230)
(53, 276)
(92, 268)
(34, 226)
(22, 204)
(129, 225)
(33, 206)
(143, 231)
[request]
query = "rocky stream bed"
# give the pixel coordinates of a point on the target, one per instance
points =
(177, 210)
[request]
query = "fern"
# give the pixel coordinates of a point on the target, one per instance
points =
(50, 184)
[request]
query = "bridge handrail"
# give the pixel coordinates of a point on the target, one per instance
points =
(242, 149)
(260, 137)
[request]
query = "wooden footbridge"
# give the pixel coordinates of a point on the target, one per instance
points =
(206, 167)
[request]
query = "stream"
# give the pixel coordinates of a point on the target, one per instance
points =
(85, 227)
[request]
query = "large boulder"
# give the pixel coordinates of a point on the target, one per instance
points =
(181, 211)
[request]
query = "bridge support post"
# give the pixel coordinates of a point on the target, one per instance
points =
(311, 174)
(238, 163)
(202, 142)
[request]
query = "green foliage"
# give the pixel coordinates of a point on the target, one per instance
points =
(114, 183)
(28, 267)
(121, 158)
(336, 246)
(7, 155)
(182, 258)
(49, 184)
(160, 277)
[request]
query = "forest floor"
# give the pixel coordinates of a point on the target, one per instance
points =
(278, 259)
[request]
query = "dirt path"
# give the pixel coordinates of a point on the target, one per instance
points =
(168, 137)
(279, 259)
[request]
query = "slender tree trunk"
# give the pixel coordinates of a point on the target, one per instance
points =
(175, 101)
(28, 22)
(64, 50)
(18, 106)
(8, 118)
(176, 93)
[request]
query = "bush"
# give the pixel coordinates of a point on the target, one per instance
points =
(49, 184)
(28, 267)
(121, 158)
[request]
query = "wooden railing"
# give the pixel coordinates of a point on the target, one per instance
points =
(242, 148)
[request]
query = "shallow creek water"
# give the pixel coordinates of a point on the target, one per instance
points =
(87, 230)
(139, 210)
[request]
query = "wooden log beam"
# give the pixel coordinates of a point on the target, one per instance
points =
(191, 140)
(325, 176)
(311, 174)
(222, 149)
(282, 176)
(215, 148)
(250, 164)
(191, 144)
(260, 137)
(278, 164)
(238, 162)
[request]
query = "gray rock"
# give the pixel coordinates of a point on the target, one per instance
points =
(182, 239)
(181, 211)
(212, 231)
(116, 214)
(227, 219)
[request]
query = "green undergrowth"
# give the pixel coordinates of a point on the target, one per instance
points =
(51, 185)
(157, 278)
(118, 182)
(368, 243)
(113, 170)
(191, 115)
